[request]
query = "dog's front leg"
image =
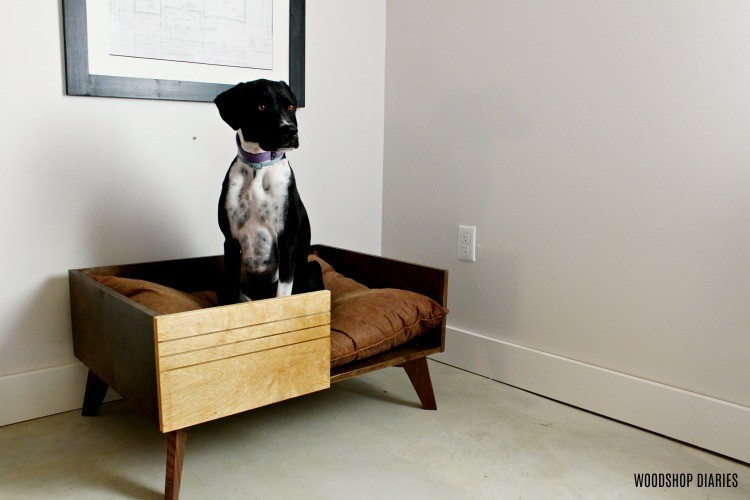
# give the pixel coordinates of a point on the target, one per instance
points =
(230, 291)
(286, 267)
(284, 288)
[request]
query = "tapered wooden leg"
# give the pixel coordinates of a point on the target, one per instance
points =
(96, 389)
(419, 375)
(175, 456)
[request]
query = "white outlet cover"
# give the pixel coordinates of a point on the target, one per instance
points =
(467, 243)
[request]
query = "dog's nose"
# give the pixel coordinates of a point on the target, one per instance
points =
(289, 128)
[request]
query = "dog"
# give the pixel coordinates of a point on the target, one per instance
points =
(261, 215)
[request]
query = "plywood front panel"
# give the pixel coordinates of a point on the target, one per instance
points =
(224, 360)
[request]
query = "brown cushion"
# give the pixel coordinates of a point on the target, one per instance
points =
(158, 298)
(365, 321)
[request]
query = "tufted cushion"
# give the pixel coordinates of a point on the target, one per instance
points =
(366, 321)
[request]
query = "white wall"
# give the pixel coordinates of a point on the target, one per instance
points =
(94, 181)
(601, 149)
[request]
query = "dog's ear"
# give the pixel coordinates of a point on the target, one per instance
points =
(230, 105)
(286, 86)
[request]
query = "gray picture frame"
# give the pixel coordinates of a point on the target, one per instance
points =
(79, 82)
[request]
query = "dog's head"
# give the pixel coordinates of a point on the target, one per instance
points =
(263, 111)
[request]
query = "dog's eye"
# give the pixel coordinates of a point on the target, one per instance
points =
(261, 107)
(290, 107)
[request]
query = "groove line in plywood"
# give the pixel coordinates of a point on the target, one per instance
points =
(204, 356)
(244, 347)
(216, 319)
(240, 334)
(278, 337)
(240, 327)
(248, 354)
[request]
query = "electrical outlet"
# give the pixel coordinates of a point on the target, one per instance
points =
(467, 243)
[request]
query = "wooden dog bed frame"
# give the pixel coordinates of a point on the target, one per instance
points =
(181, 370)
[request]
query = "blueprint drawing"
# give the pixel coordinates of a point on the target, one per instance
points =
(220, 32)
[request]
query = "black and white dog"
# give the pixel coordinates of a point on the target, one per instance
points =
(265, 225)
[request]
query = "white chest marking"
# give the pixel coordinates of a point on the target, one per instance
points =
(256, 204)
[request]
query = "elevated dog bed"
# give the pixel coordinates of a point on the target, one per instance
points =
(154, 334)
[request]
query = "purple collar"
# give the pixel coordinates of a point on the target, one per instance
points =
(258, 160)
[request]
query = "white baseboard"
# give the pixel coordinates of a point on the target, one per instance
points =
(709, 423)
(38, 393)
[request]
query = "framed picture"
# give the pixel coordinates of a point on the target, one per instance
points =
(183, 50)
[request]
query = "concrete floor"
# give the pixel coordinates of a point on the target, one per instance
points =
(365, 438)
